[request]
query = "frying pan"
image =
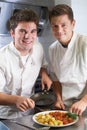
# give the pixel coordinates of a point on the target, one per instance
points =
(44, 99)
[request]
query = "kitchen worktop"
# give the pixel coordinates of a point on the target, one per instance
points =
(29, 122)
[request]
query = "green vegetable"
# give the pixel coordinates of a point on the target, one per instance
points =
(72, 115)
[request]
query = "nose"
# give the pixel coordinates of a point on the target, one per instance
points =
(28, 35)
(59, 29)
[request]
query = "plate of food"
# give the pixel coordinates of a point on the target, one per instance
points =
(55, 118)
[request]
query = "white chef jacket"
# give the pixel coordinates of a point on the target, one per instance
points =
(18, 77)
(69, 66)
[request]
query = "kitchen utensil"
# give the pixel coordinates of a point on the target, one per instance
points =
(44, 99)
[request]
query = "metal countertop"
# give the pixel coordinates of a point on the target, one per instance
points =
(29, 122)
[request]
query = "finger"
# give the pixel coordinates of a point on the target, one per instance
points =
(80, 113)
(74, 110)
(31, 103)
(62, 106)
(58, 106)
(42, 85)
(22, 107)
(70, 109)
(49, 85)
(25, 103)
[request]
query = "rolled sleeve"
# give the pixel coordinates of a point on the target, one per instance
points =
(2, 81)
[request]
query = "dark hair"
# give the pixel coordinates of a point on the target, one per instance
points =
(61, 9)
(25, 15)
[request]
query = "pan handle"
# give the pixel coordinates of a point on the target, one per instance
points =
(45, 91)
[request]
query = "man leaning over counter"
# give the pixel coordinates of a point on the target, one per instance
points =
(68, 61)
(21, 61)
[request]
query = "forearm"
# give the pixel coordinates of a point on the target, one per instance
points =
(6, 99)
(45, 79)
(22, 103)
(84, 99)
(57, 89)
(43, 71)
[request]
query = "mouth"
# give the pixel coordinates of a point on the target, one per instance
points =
(61, 36)
(27, 42)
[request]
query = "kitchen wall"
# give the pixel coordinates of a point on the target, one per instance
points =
(79, 8)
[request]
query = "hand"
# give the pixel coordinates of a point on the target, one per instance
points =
(46, 81)
(24, 103)
(78, 107)
(59, 105)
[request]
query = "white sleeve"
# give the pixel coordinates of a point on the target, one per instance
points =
(44, 61)
(51, 67)
(2, 80)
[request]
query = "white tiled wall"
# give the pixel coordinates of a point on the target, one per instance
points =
(80, 12)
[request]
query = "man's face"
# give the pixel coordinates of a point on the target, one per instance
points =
(62, 28)
(24, 36)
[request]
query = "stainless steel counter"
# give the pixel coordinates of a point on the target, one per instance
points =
(29, 122)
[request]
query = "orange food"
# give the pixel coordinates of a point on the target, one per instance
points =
(62, 117)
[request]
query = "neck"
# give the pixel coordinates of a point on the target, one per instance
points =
(65, 46)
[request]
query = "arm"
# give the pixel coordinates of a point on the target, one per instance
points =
(45, 79)
(22, 103)
(80, 106)
(58, 91)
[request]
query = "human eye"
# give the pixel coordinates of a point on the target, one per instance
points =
(54, 26)
(22, 31)
(34, 31)
(64, 25)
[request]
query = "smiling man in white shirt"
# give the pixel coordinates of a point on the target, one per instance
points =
(68, 61)
(21, 62)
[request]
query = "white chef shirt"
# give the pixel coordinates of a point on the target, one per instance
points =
(69, 66)
(18, 74)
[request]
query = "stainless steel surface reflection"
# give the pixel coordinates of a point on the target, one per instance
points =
(27, 120)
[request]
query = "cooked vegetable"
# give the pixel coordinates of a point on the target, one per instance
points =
(56, 118)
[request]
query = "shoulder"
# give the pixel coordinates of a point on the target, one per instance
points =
(6, 48)
(4, 52)
(53, 47)
(38, 49)
(81, 45)
(38, 45)
(82, 39)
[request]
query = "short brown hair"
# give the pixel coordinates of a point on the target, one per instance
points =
(25, 15)
(61, 9)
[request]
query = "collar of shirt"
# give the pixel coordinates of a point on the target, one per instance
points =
(17, 53)
(72, 40)
(71, 43)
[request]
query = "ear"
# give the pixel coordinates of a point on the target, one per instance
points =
(73, 23)
(12, 33)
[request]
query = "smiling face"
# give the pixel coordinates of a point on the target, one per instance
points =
(24, 36)
(62, 28)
